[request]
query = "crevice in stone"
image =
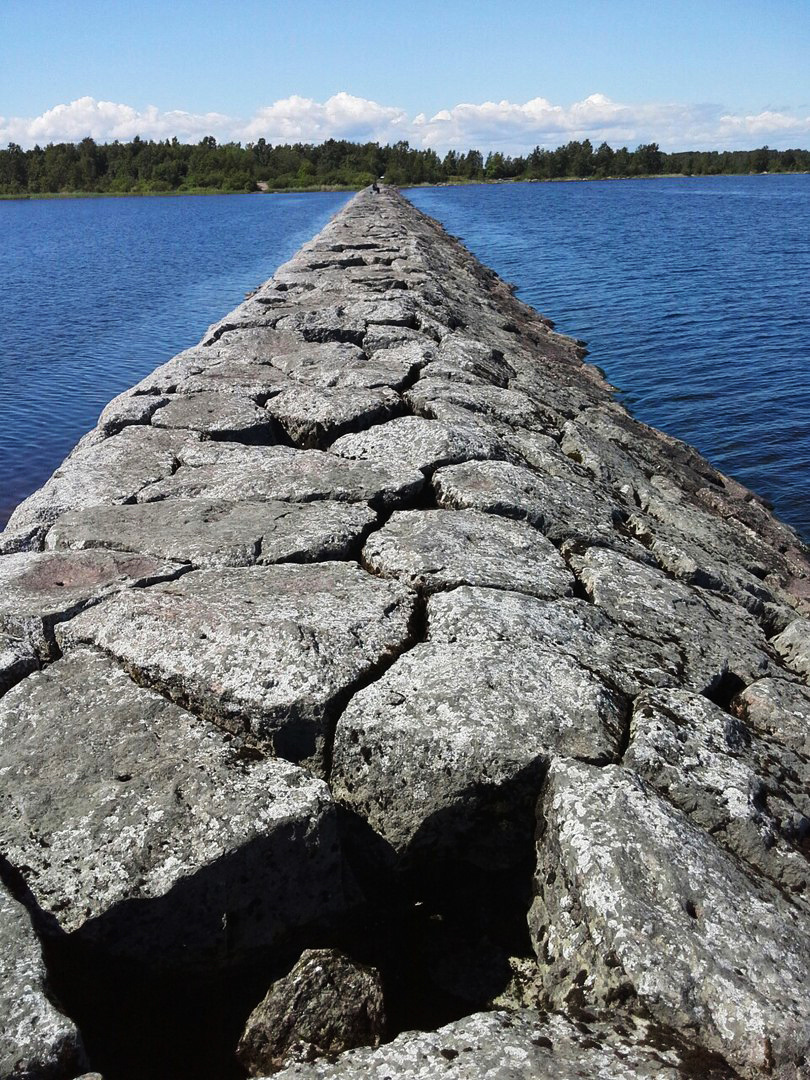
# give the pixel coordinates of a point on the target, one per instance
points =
(416, 633)
(724, 688)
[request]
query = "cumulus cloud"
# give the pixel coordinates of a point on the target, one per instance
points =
(503, 125)
(105, 121)
(300, 119)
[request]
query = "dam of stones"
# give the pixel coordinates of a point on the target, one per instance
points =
(379, 699)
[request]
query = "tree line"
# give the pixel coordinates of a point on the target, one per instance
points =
(148, 167)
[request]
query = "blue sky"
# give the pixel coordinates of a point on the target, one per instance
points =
(505, 75)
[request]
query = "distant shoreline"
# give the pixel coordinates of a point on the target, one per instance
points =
(324, 188)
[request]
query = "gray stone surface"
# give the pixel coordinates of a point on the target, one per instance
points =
(749, 793)
(522, 1046)
(716, 639)
(445, 751)
(112, 471)
(140, 829)
(266, 651)
(561, 507)
(237, 473)
(793, 645)
(413, 442)
(37, 1041)
(40, 589)
(779, 709)
(224, 414)
(313, 418)
(214, 532)
(439, 549)
(662, 710)
(325, 1005)
(574, 627)
(635, 903)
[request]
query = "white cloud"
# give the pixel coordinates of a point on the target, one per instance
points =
(108, 120)
(299, 119)
(503, 125)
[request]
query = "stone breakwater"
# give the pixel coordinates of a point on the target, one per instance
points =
(372, 632)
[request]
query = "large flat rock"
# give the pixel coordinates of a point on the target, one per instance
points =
(561, 507)
(440, 549)
(571, 626)
(217, 414)
(446, 750)
(142, 831)
(215, 532)
(40, 589)
(37, 1041)
(750, 793)
(267, 651)
(635, 903)
(313, 417)
(521, 1046)
(717, 639)
(238, 473)
(111, 471)
(414, 442)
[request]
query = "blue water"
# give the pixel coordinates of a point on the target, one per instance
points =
(95, 293)
(694, 297)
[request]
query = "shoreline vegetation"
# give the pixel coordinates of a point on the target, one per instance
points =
(88, 169)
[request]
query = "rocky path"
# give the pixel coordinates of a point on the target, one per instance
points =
(372, 632)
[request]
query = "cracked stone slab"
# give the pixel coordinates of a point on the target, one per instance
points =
(226, 415)
(716, 638)
(430, 397)
(238, 473)
(463, 359)
(332, 323)
(266, 651)
(40, 589)
(750, 794)
(635, 903)
(112, 471)
(313, 417)
(793, 645)
(36, 1039)
(446, 749)
(442, 549)
(523, 1045)
(126, 409)
(561, 507)
(778, 709)
(214, 532)
(574, 627)
(678, 554)
(254, 381)
(142, 831)
(413, 442)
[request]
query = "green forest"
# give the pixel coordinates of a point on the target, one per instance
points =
(147, 167)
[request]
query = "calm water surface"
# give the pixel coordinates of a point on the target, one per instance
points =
(694, 296)
(97, 292)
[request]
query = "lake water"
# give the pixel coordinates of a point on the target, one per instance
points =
(97, 292)
(694, 297)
